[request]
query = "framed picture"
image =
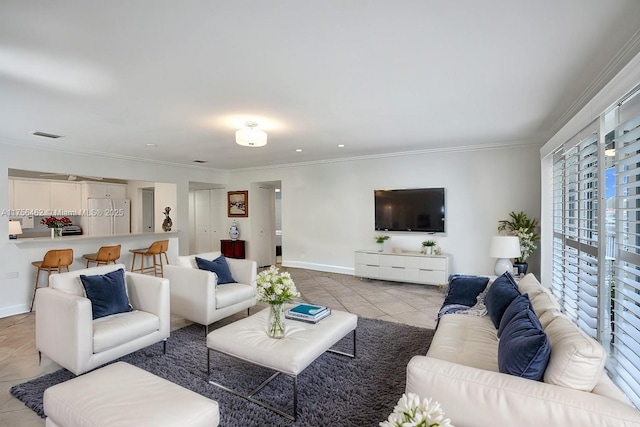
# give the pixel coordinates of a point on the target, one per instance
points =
(238, 204)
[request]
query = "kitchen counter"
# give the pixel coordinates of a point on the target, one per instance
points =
(83, 237)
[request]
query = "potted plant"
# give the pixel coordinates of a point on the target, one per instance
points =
(524, 228)
(380, 238)
(428, 246)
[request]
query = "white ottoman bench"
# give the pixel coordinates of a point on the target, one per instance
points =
(123, 395)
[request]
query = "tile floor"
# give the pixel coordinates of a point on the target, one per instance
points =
(396, 302)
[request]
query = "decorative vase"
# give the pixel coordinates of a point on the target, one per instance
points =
(167, 223)
(380, 246)
(428, 250)
(234, 233)
(275, 327)
(56, 232)
(522, 268)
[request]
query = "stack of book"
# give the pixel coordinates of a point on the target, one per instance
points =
(307, 313)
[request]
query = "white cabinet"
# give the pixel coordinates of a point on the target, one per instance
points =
(32, 195)
(66, 196)
(412, 267)
(98, 190)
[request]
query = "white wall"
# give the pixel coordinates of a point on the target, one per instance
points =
(328, 213)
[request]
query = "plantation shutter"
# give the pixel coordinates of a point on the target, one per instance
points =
(625, 363)
(575, 234)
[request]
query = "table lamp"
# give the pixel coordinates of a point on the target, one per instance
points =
(504, 248)
(14, 229)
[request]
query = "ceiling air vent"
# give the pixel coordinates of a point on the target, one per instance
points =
(200, 161)
(45, 134)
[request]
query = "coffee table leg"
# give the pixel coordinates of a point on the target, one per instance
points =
(342, 353)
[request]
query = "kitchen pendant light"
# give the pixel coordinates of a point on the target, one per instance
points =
(249, 136)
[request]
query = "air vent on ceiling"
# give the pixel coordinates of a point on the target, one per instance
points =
(45, 134)
(200, 161)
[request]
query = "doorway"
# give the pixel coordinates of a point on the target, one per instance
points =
(148, 215)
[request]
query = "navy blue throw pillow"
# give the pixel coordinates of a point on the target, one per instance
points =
(502, 291)
(107, 293)
(464, 290)
(524, 348)
(520, 303)
(218, 266)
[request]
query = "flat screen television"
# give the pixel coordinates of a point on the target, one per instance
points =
(417, 209)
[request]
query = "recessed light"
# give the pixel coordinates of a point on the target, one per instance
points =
(298, 150)
(45, 134)
(340, 145)
(151, 145)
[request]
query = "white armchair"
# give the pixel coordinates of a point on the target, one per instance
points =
(196, 296)
(68, 335)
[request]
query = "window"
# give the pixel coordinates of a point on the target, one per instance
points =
(596, 274)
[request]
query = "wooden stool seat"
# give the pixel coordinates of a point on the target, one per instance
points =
(105, 255)
(54, 260)
(156, 250)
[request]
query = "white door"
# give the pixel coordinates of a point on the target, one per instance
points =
(263, 224)
(217, 208)
(202, 204)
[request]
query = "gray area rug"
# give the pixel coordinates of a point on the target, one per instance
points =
(334, 390)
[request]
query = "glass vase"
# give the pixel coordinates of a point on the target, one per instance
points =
(56, 232)
(275, 326)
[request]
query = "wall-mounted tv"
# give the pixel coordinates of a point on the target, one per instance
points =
(417, 209)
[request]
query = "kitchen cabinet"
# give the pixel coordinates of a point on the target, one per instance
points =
(10, 194)
(98, 190)
(66, 196)
(32, 195)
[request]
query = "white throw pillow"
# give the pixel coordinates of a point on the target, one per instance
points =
(577, 360)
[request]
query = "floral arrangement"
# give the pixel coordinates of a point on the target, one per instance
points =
(275, 287)
(53, 222)
(380, 238)
(410, 412)
(524, 228)
(429, 243)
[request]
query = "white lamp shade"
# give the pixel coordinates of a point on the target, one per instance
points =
(14, 228)
(251, 137)
(504, 247)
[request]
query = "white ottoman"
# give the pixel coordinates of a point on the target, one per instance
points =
(123, 395)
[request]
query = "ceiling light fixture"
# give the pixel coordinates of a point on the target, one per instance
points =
(249, 136)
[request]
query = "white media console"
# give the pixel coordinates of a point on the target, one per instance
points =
(412, 267)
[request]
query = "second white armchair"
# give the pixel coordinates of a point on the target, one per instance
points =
(197, 296)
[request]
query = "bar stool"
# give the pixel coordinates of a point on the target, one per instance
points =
(156, 250)
(106, 255)
(54, 260)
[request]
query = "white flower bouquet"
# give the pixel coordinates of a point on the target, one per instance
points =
(275, 287)
(411, 412)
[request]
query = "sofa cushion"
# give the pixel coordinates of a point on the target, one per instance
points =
(466, 340)
(107, 293)
(464, 290)
(524, 348)
(519, 304)
(502, 291)
(530, 285)
(543, 302)
(577, 360)
(218, 266)
(122, 328)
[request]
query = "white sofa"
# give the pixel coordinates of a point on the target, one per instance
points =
(68, 335)
(196, 296)
(461, 372)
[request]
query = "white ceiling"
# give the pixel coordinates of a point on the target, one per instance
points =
(375, 75)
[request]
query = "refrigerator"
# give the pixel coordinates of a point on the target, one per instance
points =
(108, 216)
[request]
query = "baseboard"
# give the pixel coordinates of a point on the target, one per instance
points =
(319, 267)
(13, 310)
